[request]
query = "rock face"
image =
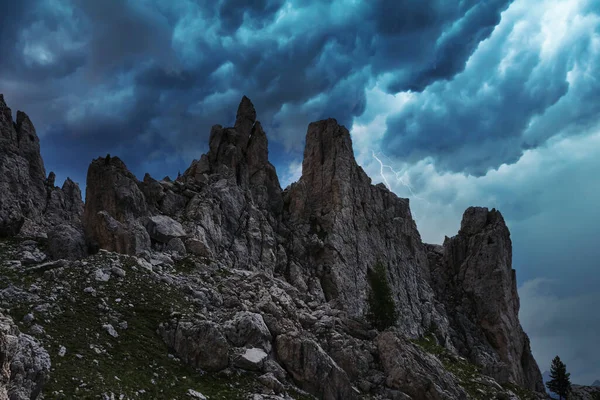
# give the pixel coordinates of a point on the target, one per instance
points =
(314, 370)
(24, 364)
(340, 226)
(199, 343)
(113, 205)
(585, 392)
(409, 367)
(30, 204)
(472, 275)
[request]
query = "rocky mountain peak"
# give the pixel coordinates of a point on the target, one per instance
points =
(330, 173)
(245, 117)
(29, 205)
(5, 112)
(477, 219)
(473, 276)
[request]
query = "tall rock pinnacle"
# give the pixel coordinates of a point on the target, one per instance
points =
(341, 226)
(475, 279)
(245, 117)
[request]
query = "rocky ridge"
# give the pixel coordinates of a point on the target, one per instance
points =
(276, 282)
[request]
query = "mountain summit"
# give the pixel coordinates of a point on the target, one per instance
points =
(226, 272)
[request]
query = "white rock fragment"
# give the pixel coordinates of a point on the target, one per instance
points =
(253, 359)
(101, 276)
(111, 330)
(196, 395)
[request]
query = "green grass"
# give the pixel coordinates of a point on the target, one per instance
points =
(136, 363)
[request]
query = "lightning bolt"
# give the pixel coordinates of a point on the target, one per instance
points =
(398, 175)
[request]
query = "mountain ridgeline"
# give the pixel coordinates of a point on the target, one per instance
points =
(320, 239)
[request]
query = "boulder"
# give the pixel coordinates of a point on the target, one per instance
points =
(163, 228)
(248, 329)
(198, 343)
(66, 242)
(312, 369)
(252, 359)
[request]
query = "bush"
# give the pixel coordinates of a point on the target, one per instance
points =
(382, 309)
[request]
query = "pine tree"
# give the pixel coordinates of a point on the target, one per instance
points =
(559, 382)
(382, 309)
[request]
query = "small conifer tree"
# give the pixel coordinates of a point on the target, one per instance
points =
(382, 309)
(559, 382)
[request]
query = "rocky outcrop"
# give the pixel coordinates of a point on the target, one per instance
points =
(29, 203)
(24, 364)
(313, 369)
(340, 226)
(585, 392)
(114, 205)
(419, 374)
(472, 275)
(237, 211)
(199, 343)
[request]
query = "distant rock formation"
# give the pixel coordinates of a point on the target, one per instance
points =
(30, 204)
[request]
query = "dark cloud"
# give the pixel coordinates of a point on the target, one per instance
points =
(285, 56)
(258, 13)
(490, 113)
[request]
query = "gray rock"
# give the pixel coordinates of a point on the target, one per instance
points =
(110, 330)
(29, 202)
(196, 395)
(252, 359)
(176, 245)
(198, 247)
(116, 271)
(163, 228)
(198, 343)
(472, 275)
(248, 329)
(113, 204)
(312, 369)
(66, 242)
(584, 392)
(25, 365)
(271, 381)
(414, 372)
(347, 225)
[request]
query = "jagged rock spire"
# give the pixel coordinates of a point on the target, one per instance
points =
(245, 117)
(29, 202)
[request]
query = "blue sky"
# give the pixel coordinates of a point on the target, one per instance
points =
(450, 103)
